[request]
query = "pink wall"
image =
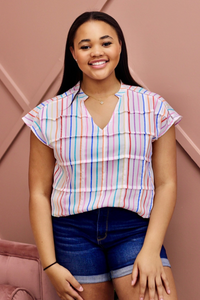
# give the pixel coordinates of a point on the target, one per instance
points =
(163, 44)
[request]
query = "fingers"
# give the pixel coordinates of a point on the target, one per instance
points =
(159, 286)
(72, 293)
(165, 283)
(134, 275)
(65, 297)
(143, 286)
(72, 286)
(75, 283)
(69, 294)
(66, 285)
(155, 285)
(151, 286)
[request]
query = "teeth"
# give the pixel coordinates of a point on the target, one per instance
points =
(98, 63)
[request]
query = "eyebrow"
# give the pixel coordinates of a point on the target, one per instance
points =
(101, 38)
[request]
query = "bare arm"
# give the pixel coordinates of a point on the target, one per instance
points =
(164, 166)
(41, 169)
(148, 264)
(41, 166)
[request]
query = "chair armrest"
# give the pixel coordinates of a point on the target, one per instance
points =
(21, 267)
(9, 292)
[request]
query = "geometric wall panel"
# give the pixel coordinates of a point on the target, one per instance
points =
(10, 112)
(19, 100)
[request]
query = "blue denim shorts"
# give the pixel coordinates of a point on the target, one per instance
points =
(102, 244)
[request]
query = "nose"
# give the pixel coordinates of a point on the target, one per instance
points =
(97, 51)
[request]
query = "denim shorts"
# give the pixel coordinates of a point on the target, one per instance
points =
(100, 245)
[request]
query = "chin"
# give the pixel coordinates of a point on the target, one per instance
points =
(101, 77)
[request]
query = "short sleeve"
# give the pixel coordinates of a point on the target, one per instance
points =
(165, 117)
(34, 119)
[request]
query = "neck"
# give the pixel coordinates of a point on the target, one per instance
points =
(100, 88)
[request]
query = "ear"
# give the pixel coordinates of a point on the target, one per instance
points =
(72, 52)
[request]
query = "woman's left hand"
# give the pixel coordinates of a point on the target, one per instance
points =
(148, 271)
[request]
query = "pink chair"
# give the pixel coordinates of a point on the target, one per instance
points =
(21, 273)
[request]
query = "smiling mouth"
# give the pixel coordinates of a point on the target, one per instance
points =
(98, 63)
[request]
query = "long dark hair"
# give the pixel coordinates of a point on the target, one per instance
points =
(72, 74)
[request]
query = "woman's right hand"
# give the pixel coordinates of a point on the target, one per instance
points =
(64, 282)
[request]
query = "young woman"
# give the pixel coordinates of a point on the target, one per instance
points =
(103, 173)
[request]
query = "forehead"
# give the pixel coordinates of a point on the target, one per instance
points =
(94, 30)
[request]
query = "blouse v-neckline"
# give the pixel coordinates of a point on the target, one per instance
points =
(84, 97)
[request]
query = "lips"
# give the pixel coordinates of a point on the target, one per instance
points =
(98, 62)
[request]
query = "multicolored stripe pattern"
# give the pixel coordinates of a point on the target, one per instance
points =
(102, 167)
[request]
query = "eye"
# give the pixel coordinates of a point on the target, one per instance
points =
(107, 44)
(85, 47)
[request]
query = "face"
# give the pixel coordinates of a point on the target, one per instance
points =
(97, 50)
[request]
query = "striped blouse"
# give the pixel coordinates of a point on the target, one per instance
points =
(102, 167)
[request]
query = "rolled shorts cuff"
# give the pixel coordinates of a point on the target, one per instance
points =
(113, 274)
(128, 269)
(93, 278)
